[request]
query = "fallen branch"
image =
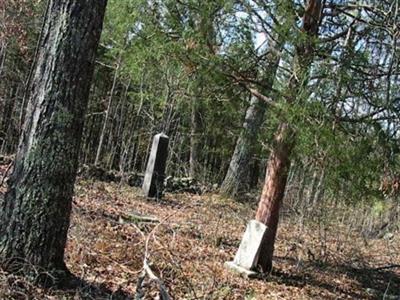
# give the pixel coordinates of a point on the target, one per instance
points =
(136, 218)
(163, 290)
(387, 267)
(148, 271)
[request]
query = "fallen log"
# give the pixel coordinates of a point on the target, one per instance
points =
(138, 218)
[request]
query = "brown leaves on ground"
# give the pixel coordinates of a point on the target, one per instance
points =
(196, 235)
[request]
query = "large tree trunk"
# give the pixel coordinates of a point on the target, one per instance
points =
(238, 171)
(279, 161)
(35, 213)
(274, 190)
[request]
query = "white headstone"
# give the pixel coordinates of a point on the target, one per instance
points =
(247, 255)
(153, 181)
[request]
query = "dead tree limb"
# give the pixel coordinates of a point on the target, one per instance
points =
(147, 271)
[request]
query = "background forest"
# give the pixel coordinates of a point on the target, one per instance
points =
(193, 70)
(222, 78)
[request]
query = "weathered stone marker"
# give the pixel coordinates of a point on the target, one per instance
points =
(153, 182)
(247, 255)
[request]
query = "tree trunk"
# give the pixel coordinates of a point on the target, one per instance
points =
(239, 168)
(35, 212)
(319, 192)
(117, 147)
(107, 114)
(238, 171)
(279, 161)
(3, 53)
(273, 191)
(195, 138)
(7, 121)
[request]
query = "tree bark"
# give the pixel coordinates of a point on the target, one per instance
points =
(238, 171)
(239, 168)
(273, 191)
(279, 160)
(35, 212)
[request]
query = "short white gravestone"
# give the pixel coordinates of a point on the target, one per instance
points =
(153, 182)
(247, 255)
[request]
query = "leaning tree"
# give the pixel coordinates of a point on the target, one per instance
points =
(35, 212)
(285, 136)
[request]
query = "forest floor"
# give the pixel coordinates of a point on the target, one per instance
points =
(188, 238)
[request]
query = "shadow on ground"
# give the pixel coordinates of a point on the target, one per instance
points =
(373, 282)
(88, 290)
(15, 287)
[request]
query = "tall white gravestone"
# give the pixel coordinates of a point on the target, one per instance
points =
(153, 182)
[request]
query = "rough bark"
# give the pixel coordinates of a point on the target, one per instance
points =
(238, 171)
(273, 191)
(279, 160)
(35, 213)
(239, 168)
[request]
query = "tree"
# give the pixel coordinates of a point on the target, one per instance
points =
(19, 28)
(35, 211)
(284, 141)
(238, 172)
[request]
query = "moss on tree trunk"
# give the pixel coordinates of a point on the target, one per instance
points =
(35, 213)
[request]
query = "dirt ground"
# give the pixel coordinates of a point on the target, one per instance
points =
(186, 240)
